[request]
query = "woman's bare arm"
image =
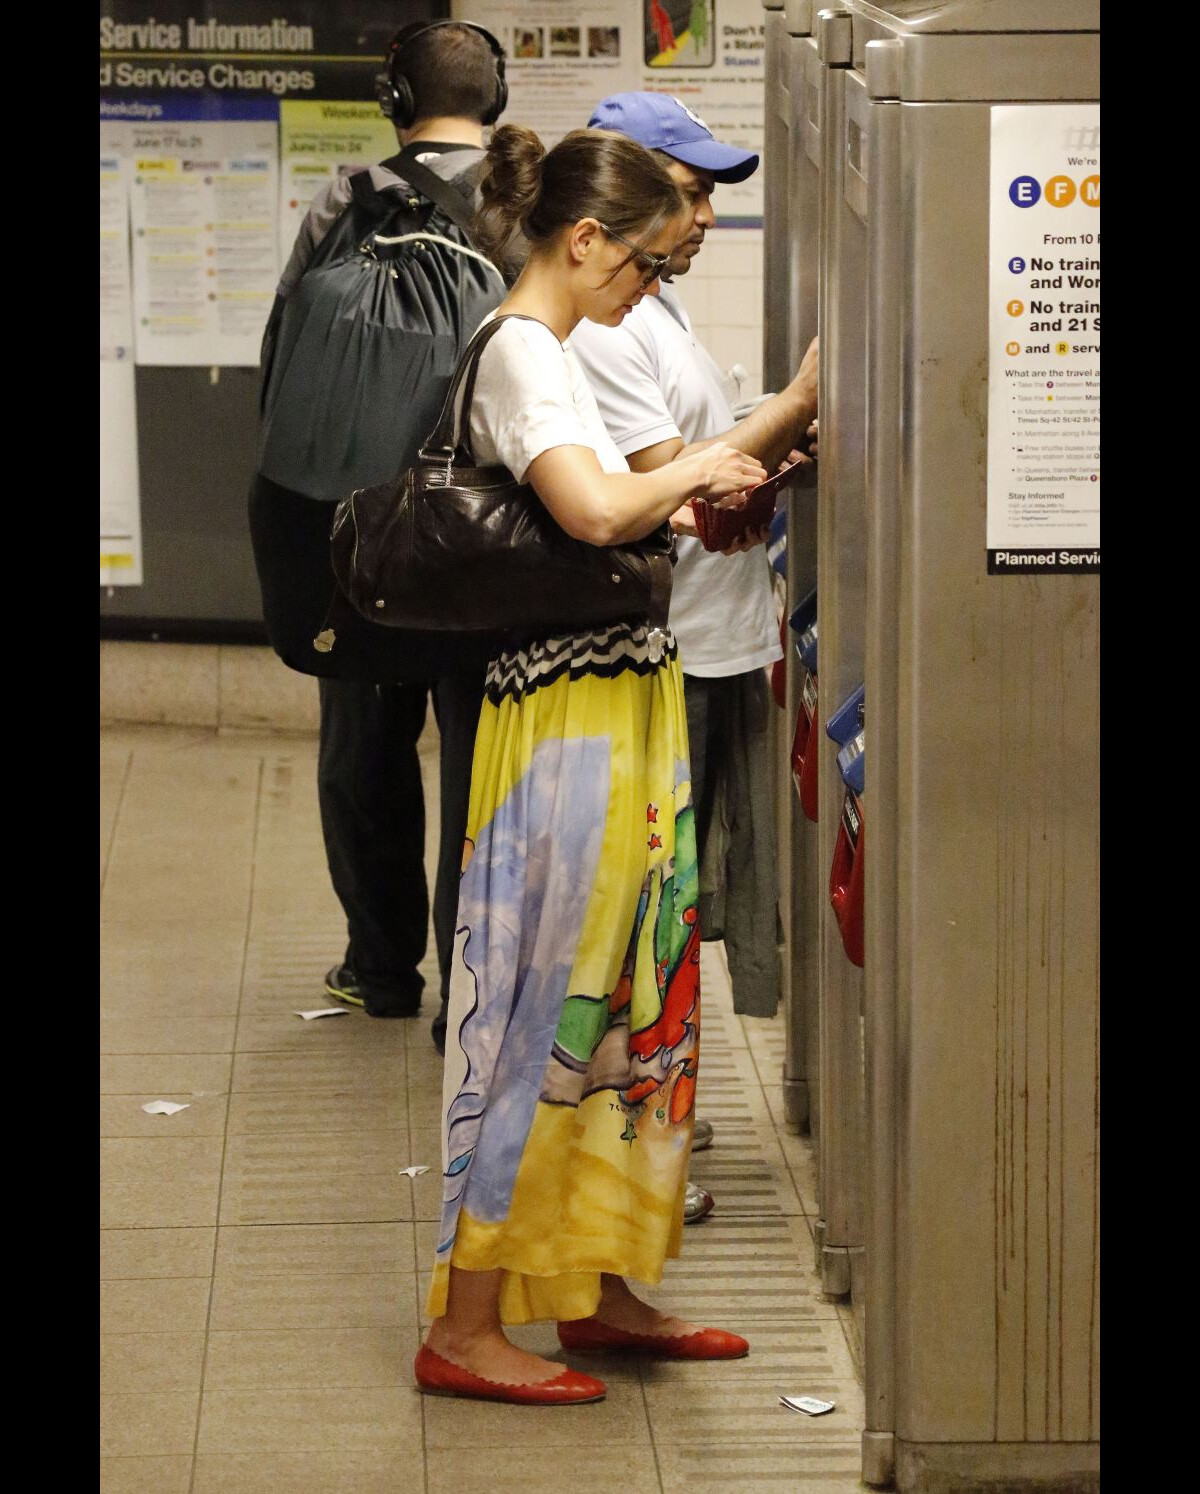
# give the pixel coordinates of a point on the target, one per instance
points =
(612, 508)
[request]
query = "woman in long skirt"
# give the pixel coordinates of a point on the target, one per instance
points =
(573, 1040)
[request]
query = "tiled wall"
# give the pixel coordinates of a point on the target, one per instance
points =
(723, 295)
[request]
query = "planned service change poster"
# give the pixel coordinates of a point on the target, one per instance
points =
(1043, 493)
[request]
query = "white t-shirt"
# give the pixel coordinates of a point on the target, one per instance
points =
(531, 395)
(654, 381)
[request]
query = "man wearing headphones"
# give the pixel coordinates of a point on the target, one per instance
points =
(444, 81)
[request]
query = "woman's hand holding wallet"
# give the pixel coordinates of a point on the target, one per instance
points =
(719, 527)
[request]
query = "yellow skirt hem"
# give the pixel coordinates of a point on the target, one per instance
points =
(528, 1298)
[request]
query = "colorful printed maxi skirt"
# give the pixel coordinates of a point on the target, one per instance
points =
(574, 1023)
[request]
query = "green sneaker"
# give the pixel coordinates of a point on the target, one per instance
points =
(341, 984)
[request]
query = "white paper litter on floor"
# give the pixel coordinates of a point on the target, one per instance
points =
(323, 1011)
(412, 1172)
(806, 1403)
(164, 1107)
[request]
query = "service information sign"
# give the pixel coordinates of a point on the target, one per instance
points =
(1043, 492)
(199, 204)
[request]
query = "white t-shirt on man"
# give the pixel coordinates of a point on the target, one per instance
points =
(653, 381)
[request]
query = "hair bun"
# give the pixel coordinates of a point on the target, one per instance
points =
(510, 185)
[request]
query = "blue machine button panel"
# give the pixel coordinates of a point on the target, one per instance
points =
(847, 719)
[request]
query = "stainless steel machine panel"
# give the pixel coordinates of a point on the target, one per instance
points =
(885, 326)
(996, 885)
(982, 878)
(957, 1123)
(801, 180)
(841, 569)
(776, 120)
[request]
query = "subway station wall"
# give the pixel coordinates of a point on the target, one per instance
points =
(177, 448)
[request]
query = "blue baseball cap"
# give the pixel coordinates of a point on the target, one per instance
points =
(660, 122)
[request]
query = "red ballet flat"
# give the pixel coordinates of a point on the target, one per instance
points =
(438, 1376)
(589, 1335)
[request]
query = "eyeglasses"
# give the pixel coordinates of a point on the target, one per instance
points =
(651, 265)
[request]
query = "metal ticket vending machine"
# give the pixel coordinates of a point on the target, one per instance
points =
(952, 149)
(790, 241)
(789, 325)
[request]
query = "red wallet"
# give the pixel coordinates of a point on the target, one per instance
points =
(719, 527)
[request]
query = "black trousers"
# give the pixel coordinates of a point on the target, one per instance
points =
(375, 688)
(373, 818)
(708, 724)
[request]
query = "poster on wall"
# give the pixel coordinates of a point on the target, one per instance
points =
(1043, 489)
(559, 65)
(710, 54)
(318, 141)
(120, 505)
(218, 132)
(204, 203)
(116, 296)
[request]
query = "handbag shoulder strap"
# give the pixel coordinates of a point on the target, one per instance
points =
(451, 435)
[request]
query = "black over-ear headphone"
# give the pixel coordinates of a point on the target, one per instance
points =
(394, 91)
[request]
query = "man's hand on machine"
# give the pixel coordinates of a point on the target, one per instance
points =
(804, 385)
(796, 457)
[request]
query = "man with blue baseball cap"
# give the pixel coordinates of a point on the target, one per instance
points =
(660, 392)
(660, 122)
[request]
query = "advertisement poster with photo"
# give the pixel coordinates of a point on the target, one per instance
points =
(709, 54)
(559, 65)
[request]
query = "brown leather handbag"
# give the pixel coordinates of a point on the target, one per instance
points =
(450, 546)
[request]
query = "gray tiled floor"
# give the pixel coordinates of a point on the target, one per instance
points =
(262, 1259)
